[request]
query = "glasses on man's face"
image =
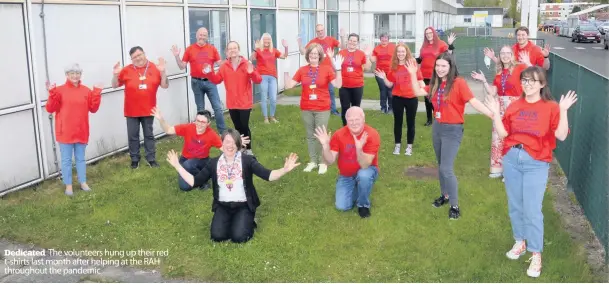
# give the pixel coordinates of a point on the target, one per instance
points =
(528, 81)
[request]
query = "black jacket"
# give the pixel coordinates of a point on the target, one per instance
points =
(250, 167)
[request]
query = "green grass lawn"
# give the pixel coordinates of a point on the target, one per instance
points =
(301, 237)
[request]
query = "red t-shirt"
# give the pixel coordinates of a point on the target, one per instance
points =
(352, 69)
(327, 42)
(428, 56)
(383, 56)
(402, 84)
(317, 99)
(532, 125)
(451, 110)
(342, 142)
(139, 102)
(198, 57)
(196, 146)
(237, 83)
(266, 61)
(513, 88)
(534, 53)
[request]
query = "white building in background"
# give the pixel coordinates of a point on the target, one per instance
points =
(97, 34)
(560, 11)
(479, 17)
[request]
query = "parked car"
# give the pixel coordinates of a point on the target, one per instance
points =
(561, 28)
(607, 40)
(586, 33)
(604, 28)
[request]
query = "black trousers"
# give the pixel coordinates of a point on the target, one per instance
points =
(349, 97)
(232, 221)
(241, 120)
(399, 105)
(428, 104)
(133, 136)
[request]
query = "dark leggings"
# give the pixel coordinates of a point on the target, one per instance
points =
(349, 97)
(411, 105)
(232, 221)
(428, 104)
(241, 120)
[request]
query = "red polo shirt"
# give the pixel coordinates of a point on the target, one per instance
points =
(139, 102)
(198, 56)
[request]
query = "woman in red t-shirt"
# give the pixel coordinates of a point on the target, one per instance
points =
(431, 48)
(315, 97)
(352, 71)
(507, 86)
(530, 128)
(266, 63)
(403, 96)
(449, 94)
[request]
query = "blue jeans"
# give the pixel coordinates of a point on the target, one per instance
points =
(385, 93)
(525, 184)
(332, 99)
(78, 149)
(193, 166)
(268, 88)
(355, 189)
(200, 88)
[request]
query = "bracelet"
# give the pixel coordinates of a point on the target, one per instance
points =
(451, 47)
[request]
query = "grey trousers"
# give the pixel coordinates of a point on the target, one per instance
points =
(446, 141)
(312, 120)
(133, 134)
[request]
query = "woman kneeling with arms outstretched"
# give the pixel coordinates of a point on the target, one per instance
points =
(235, 197)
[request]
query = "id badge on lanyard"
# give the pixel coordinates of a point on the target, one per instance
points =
(350, 67)
(504, 77)
(313, 86)
(439, 95)
(142, 77)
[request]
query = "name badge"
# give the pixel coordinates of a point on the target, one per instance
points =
(438, 115)
(313, 97)
(349, 69)
(313, 86)
(142, 78)
(143, 87)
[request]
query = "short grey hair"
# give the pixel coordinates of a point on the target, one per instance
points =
(73, 68)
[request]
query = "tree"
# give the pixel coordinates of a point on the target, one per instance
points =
(576, 9)
(604, 1)
(481, 3)
(513, 12)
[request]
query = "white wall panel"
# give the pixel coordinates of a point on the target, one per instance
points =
(386, 6)
(238, 2)
(343, 5)
(158, 1)
(14, 73)
(239, 27)
(343, 22)
(287, 28)
(321, 4)
(321, 18)
(19, 162)
(85, 34)
(353, 23)
(290, 65)
(173, 103)
(287, 3)
(367, 29)
(156, 29)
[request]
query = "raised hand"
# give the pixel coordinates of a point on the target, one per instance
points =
(330, 52)
(175, 50)
(412, 66)
(479, 76)
(250, 67)
(322, 135)
(342, 32)
(489, 53)
(258, 44)
(161, 65)
(50, 86)
(291, 162)
(546, 50)
(156, 113)
(567, 101)
(493, 104)
(299, 40)
(338, 62)
(380, 73)
(284, 43)
(244, 140)
(367, 50)
(359, 144)
(524, 58)
(172, 159)
(451, 38)
(117, 68)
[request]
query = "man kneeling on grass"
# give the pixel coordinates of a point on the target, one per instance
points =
(356, 145)
(198, 140)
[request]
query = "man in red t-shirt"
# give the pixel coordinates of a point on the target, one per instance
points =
(525, 51)
(198, 140)
(326, 42)
(357, 147)
(198, 55)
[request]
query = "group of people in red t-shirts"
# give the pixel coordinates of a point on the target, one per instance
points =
(526, 122)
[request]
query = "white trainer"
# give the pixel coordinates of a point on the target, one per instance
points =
(519, 249)
(535, 266)
(323, 168)
(408, 151)
(310, 167)
(396, 150)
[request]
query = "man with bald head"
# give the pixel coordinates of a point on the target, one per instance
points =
(198, 55)
(356, 147)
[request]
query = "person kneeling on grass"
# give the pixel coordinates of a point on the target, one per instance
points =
(235, 198)
(198, 140)
(356, 145)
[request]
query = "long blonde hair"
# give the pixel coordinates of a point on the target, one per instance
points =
(500, 65)
(394, 58)
(262, 40)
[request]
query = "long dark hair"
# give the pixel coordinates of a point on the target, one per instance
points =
(453, 73)
(537, 73)
(235, 135)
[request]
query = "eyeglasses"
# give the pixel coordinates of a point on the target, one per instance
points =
(527, 81)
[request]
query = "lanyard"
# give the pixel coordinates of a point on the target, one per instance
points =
(145, 71)
(439, 94)
(229, 168)
(504, 77)
(350, 57)
(313, 76)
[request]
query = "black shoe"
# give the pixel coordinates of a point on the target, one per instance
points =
(204, 187)
(363, 212)
(389, 111)
(428, 123)
(153, 164)
(440, 201)
(454, 213)
(135, 165)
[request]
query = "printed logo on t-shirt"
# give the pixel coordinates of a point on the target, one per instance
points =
(350, 156)
(527, 122)
(195, 146)
(203, 57)
(402, 77)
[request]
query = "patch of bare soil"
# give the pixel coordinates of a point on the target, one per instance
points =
(574, 220)
(422, 172)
